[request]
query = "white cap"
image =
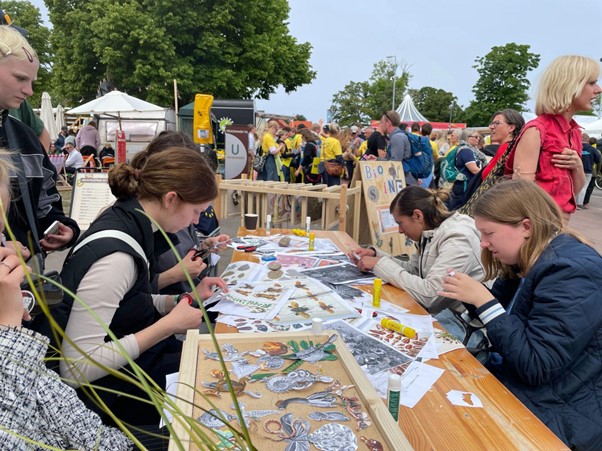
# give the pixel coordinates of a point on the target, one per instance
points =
(394, 382)
(316, 326)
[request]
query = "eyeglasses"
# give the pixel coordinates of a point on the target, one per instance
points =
(495, 124)
(474, 136)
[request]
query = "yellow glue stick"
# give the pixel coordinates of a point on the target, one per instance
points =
(378, 283)
(312, 241)
(398, 327)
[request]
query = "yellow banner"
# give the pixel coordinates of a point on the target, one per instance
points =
(201, 125)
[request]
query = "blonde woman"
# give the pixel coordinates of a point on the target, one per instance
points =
(543, 314)
(548, 150)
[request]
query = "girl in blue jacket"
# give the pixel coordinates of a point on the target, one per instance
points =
(543, 315)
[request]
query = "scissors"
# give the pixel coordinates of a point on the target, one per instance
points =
(203, 253)
(249, 247)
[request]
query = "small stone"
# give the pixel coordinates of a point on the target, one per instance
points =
(285, 241)
(274, 266)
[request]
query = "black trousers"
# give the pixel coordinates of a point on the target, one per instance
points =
(157, 362)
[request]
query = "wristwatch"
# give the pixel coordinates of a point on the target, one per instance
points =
(185, 297)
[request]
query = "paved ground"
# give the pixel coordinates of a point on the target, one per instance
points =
(584, 222)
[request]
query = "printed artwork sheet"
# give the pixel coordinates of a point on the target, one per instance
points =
(262, 300)
(343, 273)
(422, 345)
(250, 326)
(312, 299)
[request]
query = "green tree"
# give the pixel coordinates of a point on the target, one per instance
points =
(365, 100)
(502, 81)
(140, 46)
(437, 105)
(27, 16)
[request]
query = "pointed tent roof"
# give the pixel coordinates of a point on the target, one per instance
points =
(408, 111)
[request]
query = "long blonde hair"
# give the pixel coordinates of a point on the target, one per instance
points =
(562, 81)
(510, 203)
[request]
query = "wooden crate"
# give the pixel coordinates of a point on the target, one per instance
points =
(195, 369)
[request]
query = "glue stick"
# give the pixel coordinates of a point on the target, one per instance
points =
(312, 241)
(393, 389)
(307, 225)
(268, 225)
(378, 283)
(398, 327)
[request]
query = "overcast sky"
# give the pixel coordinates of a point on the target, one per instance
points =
(439, 41)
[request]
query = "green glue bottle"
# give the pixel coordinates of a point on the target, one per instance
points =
(393, 390)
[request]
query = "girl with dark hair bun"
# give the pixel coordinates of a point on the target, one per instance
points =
(171, 275)
(443, 240)
(110, 269)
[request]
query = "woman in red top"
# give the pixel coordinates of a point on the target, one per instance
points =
(505, 126)
(549, 147)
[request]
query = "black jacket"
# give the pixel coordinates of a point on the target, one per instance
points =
(45, 199)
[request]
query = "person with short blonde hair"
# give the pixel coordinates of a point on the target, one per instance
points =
(543, 314)
(35, 211)
(548, 150)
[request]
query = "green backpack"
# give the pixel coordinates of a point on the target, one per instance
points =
(448, 169)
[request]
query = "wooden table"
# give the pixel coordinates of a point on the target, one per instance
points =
(434, 423)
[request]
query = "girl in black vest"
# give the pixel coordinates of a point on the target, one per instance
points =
(110, 270)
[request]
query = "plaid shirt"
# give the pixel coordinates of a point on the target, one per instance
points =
(36, 405)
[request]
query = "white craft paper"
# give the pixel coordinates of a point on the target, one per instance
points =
(464, 398)
(416, 382)
(171, 387)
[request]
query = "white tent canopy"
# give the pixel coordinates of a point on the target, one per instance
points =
(408, 111)
(115, 102)
(593, 129)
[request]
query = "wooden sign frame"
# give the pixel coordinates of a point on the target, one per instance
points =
(194, 369)
(381, 181)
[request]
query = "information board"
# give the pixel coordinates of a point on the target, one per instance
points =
(91, 195)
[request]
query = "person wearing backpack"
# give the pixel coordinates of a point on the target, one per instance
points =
(468, 162)
(399, 145)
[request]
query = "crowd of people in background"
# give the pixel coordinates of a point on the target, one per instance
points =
(540, 308)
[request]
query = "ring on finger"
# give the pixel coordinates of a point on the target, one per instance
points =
(4, 264)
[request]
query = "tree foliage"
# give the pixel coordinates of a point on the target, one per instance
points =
(502, 81)
(359, 102)
(27, 16)
(437, 105)
(228, 48)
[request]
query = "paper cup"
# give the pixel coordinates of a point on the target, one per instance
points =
(251, 221)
